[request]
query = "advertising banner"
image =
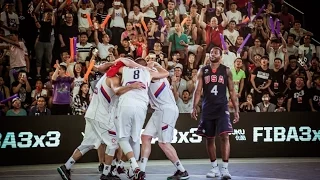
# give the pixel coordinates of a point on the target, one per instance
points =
(52, 139)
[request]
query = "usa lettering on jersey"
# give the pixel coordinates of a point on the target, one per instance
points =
(213, 79)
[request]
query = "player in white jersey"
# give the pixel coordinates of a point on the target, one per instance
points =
(132, 109)
(161, 125)
(99, 128)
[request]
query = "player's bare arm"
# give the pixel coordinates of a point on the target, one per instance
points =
(197, 94)
(233, 96)
(103, 67)
(118, 89)
(130, 63)
(160, 73)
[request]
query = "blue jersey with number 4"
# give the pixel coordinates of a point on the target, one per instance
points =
(214, 102)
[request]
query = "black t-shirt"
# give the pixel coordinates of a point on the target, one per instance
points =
(315, 97)
(122, 50)
(300, 99)
(68, 32)
(277, 84)
(262, 76)
(45, 31)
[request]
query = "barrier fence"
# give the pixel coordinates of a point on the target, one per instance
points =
(52, 139)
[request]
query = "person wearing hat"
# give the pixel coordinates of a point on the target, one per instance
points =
(16, 108)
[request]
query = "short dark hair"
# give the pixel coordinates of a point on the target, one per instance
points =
(141, 61)
(63, 67)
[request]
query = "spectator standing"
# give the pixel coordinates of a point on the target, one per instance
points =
(61, 92)
(9, 18)
(68, 30)
(43, 46)
(260, 79)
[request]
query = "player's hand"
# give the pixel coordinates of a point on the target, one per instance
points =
(236, 117)
(194, 114)
(138, 85)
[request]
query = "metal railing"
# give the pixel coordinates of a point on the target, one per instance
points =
(303, 21)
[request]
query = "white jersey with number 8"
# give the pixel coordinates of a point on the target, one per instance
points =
(132, 75)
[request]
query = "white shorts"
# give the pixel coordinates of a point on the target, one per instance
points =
(162, 123)
(193, 48)
(129, 121)
(98, 132)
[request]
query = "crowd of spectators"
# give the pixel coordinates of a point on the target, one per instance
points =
(276, 70)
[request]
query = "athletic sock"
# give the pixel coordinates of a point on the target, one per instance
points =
(179, 166)
(143, 164)
(225, 164)
(120, 164)
(114, 162)
(106, 169)
(133, 163)
(70, 163)
(214, 163)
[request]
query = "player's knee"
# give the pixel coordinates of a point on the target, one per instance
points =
(210, 141)
(111, 152)
(224, 137)
(85, 148)
(125, 145)
(163, 145)
(146, 138)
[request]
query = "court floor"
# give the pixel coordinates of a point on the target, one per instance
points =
(240, 169)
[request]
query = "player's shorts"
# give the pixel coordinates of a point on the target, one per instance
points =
(129, 121)
(213, 127)
(97, 132)
(162, 123)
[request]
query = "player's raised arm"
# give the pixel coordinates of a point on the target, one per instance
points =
(160, 73)
(233, 96)
(103, 67)
(197, 94)
(119, 90)
(130, 63)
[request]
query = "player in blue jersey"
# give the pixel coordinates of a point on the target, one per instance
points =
(213, 81)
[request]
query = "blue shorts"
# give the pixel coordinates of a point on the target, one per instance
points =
(210, 128)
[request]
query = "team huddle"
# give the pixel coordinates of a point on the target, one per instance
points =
(118, 109)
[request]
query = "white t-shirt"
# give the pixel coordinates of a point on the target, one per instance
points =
(118, 20)
(228, 59)
(43, 93)
(236, 16)
(104, 50)
(150, 12)
(82, 18)
(184, 108)
(305, 50)
(77, 83)
(136, 18)
(232, 36)
(13, 20)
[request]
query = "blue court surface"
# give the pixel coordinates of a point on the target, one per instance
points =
(244, 169)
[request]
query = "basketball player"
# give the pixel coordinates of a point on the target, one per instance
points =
(161, 125)
(132, 110)
(99, 128)
(214, 79)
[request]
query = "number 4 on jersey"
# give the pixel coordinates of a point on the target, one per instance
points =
(214, 90)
